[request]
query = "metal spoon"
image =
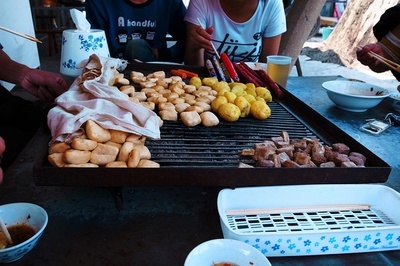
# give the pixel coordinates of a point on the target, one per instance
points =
(5, 231)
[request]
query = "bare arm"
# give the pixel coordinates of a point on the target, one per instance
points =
(43, 84)
(270, 46)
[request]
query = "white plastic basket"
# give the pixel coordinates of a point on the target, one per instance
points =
(302, 220)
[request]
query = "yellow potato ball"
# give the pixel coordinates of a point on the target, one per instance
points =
(251, 91)
(229, 112)
(220, 85)
(243, 105)
(264, 93)
(209, 81)
(238, 90)
(222, 92)
(230, 96)
(250, 98)
(259, 98)
(240, 84)
(217, 102)
(250, 86)
(195, 81)
(260, 110)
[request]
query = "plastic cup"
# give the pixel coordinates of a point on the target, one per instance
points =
(278, 68)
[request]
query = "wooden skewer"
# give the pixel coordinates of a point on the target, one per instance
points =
(340, 207)
(389, 63)
(215, 50)
(23, 35)
(5, 232)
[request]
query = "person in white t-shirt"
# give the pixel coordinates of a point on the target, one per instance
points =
(246, 30)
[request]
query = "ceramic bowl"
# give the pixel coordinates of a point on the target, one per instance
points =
(22, 213)
(217, 251)
(354, 96)
(394, 100)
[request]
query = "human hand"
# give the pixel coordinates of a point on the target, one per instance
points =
(2, 149)
(367, 59)
(43, 84)
(201, 38)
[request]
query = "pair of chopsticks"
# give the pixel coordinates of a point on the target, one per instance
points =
(215, 50)
(23, 35)
(392, 65)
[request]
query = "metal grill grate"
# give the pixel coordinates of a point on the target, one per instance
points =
(219, 146)
(309, 221)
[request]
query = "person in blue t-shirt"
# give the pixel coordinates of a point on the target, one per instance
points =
(138, 29)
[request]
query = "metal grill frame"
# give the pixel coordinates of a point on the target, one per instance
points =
(208, 156)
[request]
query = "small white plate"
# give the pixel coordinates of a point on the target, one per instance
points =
(228, 251)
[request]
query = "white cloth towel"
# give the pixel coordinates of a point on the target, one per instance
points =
(96, 100)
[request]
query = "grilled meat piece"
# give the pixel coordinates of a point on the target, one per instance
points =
(357, 154)
(341, 148)
(318, 153)
(327, 164)
(263, 150)
(302, 158)
(265, 163)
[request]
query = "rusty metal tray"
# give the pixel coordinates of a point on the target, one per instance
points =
(201, 156)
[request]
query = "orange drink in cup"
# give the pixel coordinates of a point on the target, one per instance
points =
(278, 68)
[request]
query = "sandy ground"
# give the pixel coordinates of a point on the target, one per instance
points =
(311, 67)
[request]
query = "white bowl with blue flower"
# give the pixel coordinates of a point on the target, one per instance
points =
(22, 213)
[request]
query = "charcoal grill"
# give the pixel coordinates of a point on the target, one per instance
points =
(208, 156)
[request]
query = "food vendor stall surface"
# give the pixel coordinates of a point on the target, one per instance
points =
(162, 224)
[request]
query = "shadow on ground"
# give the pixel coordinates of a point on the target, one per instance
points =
(316, 54)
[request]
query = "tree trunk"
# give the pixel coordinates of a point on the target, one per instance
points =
(355, 28)
(300, 21)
